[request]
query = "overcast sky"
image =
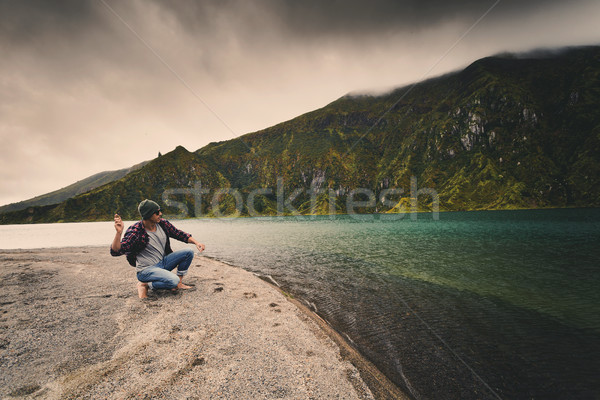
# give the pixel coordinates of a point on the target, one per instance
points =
(90, 86)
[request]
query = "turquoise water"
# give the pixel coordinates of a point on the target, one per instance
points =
(475, 305)
(546, 261)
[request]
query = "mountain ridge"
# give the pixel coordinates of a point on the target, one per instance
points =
(79, 187)
(502, 133)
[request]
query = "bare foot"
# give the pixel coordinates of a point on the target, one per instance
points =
(181, 285)
(142, 288)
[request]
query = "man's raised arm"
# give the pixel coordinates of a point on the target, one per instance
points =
(116, 244)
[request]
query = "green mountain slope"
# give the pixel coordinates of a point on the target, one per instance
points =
(72, 190)
(505, 132)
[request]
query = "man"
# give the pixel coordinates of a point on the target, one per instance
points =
(148, 249)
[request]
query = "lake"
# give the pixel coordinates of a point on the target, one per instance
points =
(475, 305)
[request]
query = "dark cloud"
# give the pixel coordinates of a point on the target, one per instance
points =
(355, 18)
(23, 20)
(27, 21)
(81, 93)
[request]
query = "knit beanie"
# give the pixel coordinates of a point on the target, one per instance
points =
(147, 208)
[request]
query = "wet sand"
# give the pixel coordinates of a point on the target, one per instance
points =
(72, 326)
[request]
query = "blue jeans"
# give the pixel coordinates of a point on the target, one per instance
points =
(159, 276)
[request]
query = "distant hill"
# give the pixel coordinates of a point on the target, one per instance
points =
(82, 186)
(505, 132)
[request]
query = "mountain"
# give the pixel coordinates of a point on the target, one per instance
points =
(72, 190)
(506, 132)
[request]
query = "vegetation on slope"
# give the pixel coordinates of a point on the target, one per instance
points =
(79, 187)
(503, 133)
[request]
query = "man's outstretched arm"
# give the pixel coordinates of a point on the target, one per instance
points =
(180, 235)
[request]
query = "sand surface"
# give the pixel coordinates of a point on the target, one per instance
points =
(72, 326)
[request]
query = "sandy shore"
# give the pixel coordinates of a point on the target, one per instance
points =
(72, 326)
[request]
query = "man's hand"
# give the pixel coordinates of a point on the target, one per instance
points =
(119, 224)
(199, 245)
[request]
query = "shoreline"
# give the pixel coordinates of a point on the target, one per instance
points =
(379, 384)
(78, 329)
(308, 216)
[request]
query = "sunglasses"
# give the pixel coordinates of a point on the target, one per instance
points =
(157, 212)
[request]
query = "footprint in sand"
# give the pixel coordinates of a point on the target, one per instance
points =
(250, 295)
(219, 288)
(198, 361)
(25, 390)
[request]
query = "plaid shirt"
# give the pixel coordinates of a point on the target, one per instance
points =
(136, 239)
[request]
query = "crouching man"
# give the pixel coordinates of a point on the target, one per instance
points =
(148, 249)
